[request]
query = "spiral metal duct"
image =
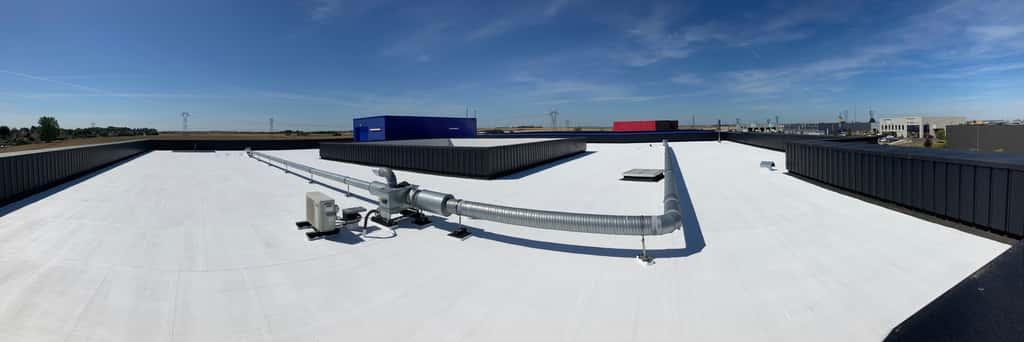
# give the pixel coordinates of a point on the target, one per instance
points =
(446, 204)
(665, 223)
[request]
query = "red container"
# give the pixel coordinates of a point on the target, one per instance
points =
(644, 126)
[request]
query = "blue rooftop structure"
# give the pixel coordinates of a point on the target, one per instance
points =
(399, 127)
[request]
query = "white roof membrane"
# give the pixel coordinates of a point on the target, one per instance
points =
(203, 247)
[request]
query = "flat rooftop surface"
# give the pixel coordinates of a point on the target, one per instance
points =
(203, 247)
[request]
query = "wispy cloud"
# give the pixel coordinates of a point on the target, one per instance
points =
(547, 92)
(421, 41)
(445, 28)
(324, 9)
(979, 70)
(556, 6)
(687, 79)
(954, 33)
(52, 95)
(52, 81)
(996, 32)
(494, 28)
(656, 38)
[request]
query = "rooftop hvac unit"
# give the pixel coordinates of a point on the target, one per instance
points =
(321, 212)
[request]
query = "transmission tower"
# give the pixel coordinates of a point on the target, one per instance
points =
(184, 121)
(554, 118)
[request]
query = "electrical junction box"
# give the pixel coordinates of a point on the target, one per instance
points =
(321, 212)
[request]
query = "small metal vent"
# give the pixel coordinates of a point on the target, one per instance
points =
(643, 175)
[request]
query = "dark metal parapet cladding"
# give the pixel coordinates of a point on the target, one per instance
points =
(617, 137)
(1006, 138)
(778, 142)
(23, 174)
(438, 156)
(985, 190)
(238, 144)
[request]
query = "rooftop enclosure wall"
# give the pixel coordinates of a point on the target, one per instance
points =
(23, 174)
(617, 137)
(778, 142)
(475, 162)
(986, 138)
(255, 144)
(642, 126)
(394, 127)
(26, 173)
(985, 190)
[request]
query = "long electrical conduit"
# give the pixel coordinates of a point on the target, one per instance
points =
(447, 204)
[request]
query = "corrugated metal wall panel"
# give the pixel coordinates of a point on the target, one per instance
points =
(941, 192)
(976, 189)
(475, 162)
(1015, 204)
(30, 173)
(997, 204)
(928, 186)
(916, 192)
(966, 193)
(953, 191)
(982, 188)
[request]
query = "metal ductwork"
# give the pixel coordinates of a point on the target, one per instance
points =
(388, 175)
(447, 204)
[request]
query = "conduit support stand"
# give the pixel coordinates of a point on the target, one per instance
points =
(643, 258)
(460, 233)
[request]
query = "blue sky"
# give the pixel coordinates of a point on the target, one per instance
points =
(316, 64)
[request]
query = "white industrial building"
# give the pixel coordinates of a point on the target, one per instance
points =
(917, 126)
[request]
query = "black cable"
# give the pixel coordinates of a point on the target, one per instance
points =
(366, 219)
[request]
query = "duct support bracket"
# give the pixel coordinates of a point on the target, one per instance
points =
(460, 233)
(643, 257)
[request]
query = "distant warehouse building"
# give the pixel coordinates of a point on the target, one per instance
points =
(990, 138)
(645, 126)
(401, 127)
(918, 126)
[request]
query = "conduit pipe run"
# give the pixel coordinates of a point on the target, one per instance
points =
(447, 204)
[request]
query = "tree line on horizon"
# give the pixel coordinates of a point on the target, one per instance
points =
(49, 130)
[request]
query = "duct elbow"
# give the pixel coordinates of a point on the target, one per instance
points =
(670, 222)
(387, 174)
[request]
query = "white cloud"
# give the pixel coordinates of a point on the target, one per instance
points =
(978, 70)
(688, 79)
(421, 41)
(655, 39)
(548, 92)
(324, 9)
(996, 32)
(493, 28)
(555, 6)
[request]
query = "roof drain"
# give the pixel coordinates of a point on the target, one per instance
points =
(411, 196)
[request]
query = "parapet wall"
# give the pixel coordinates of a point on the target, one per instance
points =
(984, 190)
(475, 162)
(23, 174)
(778, 142)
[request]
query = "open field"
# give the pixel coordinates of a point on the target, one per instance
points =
(173, 136)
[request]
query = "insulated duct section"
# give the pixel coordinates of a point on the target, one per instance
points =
(447, 204)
